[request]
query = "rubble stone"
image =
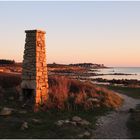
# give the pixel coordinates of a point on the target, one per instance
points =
(6, 111)
(83, 122)
(76, 119)
(24, 126)
(59, 123)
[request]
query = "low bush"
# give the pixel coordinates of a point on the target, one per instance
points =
(69, 94)
(9, 80)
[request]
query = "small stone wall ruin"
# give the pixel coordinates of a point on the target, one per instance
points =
(34, 70)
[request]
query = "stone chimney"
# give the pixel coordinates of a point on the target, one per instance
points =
(34, 73)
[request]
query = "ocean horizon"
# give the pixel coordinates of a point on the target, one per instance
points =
(133, 73)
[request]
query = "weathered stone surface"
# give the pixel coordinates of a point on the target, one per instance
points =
(34, 74)
(67, 121)
(24, 126)
(6, 111)
(60, 123)
(86, 134)
(73, 123)
(28, 84)
(83, 122)
(76, 119)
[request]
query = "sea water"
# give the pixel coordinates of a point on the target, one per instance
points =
(135, 71)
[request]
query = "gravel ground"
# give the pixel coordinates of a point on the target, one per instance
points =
(113, 125)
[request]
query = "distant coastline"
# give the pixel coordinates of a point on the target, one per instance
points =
(97, 73)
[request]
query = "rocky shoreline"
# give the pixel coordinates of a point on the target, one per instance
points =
(90, 74)
(81, 71)
(84, 77)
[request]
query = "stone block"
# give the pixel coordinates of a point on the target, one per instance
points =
(34, 73)
(28, 84)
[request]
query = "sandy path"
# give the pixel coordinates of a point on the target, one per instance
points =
(113, 125)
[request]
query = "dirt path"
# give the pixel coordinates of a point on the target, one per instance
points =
(113, 125)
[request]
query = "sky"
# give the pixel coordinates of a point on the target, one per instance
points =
(97, 32)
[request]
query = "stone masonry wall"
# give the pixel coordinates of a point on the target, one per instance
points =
(34, 73)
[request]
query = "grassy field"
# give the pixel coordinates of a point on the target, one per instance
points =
(10, 126)
(60, 90)
(132, 92)
(134, 123)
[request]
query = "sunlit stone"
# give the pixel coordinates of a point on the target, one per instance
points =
(34, 74)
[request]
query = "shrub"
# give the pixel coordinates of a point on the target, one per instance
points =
(5, 61)
(2, 91)
(9, 80)
(58, 91)
(65, 93)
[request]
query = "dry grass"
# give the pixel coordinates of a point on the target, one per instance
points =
(2, 91)
(68, 94)
(9, 80)
(65, 93)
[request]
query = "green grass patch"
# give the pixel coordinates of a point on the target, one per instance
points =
(134, 123)
(11, 126)
(132, 92)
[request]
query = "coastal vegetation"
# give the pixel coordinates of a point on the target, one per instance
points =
(68, 98)
(134, 122)
(5, 61)
(69, 93)
(74, 94)
(133, 92)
